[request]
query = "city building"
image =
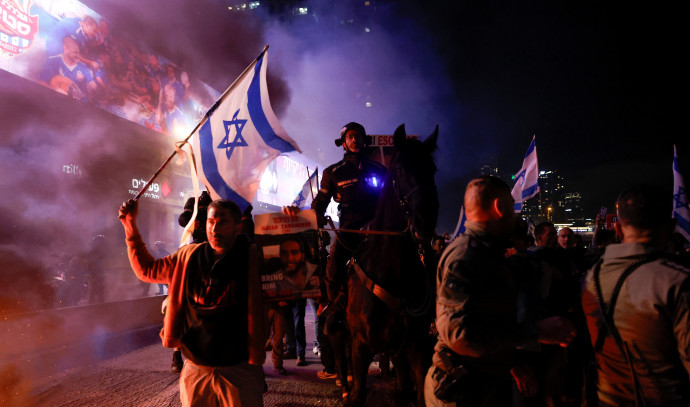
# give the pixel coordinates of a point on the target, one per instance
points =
(554, 203)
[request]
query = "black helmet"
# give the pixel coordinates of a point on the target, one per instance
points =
(356, 127)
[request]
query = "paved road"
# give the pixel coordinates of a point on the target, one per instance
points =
(142, 379)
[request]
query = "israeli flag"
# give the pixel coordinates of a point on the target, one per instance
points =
(460, 227)
(680, 201)
(240, 137)
(308, 191)
(527, 179)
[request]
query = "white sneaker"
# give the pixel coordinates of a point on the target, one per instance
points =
(316, 350)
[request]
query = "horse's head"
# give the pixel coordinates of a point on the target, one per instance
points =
(412, 171)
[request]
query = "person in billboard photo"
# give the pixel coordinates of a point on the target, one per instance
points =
(170, 116)
(66, 73)
(84, 31)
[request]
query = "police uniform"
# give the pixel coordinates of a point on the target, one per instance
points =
(355, 184)
(476, 318)
(652, 315)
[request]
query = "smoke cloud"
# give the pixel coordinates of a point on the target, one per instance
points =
(64, 164)
(376, 64)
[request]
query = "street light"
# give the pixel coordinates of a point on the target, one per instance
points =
(548, 213)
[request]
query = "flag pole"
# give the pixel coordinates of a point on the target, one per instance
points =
(201, 122)
(311, 189)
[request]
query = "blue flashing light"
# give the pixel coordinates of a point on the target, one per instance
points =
(373, 182)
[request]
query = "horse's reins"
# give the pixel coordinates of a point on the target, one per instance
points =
(402, 200)
(384, 295)
(380, 292)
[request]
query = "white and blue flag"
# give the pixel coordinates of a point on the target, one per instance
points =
(240, 137)
(460, 227)
(527, 179)
(681, 212)
(308, 192)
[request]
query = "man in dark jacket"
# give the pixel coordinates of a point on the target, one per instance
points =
(641, 339)
(355, 184)
(214, 310)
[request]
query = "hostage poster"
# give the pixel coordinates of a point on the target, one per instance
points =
(289, 248)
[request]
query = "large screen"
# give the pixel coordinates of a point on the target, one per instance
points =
(73, 50)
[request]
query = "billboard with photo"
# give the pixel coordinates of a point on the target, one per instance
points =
(73, 50)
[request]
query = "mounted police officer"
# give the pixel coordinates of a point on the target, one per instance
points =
(355, 184)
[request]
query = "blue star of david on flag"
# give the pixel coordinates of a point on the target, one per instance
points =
(308, 191)
(300, 198)
(239, 140)
(239, 137)
(527, 179)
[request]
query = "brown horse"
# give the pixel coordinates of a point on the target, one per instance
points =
(391, 293)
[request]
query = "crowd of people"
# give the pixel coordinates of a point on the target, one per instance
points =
(541, 320)
(522, 319)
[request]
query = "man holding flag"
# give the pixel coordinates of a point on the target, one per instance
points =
(215, 287)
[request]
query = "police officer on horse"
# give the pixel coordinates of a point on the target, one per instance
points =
(355, 184)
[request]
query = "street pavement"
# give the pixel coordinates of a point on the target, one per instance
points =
(142, 378)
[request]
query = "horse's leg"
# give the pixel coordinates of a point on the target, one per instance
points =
(411, 366)
(384, 364)
(339, 344)
(419, 369)
(361, 358)
(404, 385)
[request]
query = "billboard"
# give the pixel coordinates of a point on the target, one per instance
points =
(73, 50)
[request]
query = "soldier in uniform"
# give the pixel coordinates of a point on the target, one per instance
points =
(476, 313)
(641, 333)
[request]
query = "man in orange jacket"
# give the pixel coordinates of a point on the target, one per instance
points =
(214, 297)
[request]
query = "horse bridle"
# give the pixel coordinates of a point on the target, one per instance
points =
(380, 292)
(404, 205)
(403, 199)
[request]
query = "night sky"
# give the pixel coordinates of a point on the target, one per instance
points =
(598, 84)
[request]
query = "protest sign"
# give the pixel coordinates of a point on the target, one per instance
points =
(289, 248)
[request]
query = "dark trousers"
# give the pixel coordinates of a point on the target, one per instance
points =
(336, 271)
(299, 336)
(327, 354)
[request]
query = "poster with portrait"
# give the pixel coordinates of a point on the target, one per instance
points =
(290, 267)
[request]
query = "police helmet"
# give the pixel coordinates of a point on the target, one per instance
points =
(356, 127)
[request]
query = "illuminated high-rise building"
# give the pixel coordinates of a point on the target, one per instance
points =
(554, 203)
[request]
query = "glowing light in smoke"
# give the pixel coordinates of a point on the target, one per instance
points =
(179, 131)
